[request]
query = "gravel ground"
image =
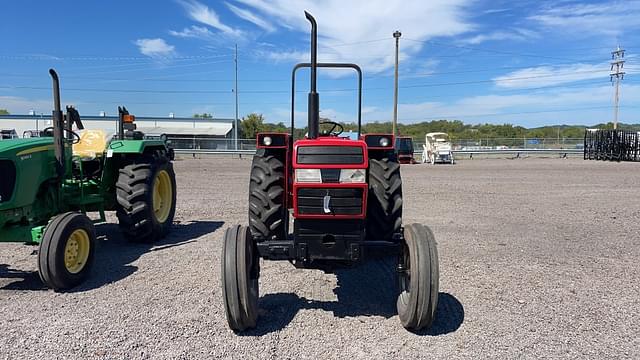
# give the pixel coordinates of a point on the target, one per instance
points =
(538, 259)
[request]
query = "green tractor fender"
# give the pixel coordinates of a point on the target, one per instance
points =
(135, 146)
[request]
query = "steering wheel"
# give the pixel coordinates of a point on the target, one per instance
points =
(76, 137)
(332, 131)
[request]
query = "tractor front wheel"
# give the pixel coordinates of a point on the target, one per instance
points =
(418, 276)
(146, 195)
(240, 273)
(66, 251)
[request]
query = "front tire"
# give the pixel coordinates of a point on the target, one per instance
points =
(146, 195)
(240, 273)
(418, 277)
(384, 203)
(66, 251)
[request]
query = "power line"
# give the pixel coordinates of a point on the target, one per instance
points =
(287, 91)
(502, 52)
(109, 58)
(376, 76)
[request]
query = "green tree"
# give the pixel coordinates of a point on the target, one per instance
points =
(4, 112)
(203, 116)
(251, 125)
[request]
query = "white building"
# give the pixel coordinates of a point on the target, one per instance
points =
(188, 131)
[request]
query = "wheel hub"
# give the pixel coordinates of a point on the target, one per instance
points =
(162, 196)
(76, 251)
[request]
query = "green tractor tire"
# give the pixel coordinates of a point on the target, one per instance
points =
(146, 196)
(66, 251)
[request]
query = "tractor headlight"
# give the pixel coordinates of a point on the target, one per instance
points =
(352, 176)
(308, 175)
(384, 142)
(267, 140)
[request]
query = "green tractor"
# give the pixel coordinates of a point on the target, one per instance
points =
(49, 184)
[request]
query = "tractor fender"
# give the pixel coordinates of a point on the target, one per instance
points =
(135, 146)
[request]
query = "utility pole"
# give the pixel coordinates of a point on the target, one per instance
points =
(617, 64)
(396, 35)
(235, 126)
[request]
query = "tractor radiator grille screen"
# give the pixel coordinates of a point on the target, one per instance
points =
(317, 155)
(7, 179)
(336, 201)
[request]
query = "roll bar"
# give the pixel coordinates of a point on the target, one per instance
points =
(324, 65)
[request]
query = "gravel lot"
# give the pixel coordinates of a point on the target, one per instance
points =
(538, 259)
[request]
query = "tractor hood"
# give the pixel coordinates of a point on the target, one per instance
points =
(20, 147)
(24, 165)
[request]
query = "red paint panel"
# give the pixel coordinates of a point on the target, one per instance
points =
(330, 141)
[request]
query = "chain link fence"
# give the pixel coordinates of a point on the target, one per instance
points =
(211, 143)
(215, 143)
(511, 143)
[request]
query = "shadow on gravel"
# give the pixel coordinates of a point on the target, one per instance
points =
(367, 290)
(449, 316)
(114, 255)
(26, 280)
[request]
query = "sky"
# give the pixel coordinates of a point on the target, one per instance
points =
(529, 63)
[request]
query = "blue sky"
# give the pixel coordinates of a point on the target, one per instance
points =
(528, 63)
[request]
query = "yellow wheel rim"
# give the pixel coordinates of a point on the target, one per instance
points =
(162, 196)
(76, 251)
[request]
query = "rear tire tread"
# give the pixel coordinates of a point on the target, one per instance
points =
(384, 204)
(267, 214)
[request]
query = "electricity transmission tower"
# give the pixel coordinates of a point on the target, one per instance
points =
(617, 64)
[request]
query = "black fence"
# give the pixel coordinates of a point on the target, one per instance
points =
(613, 145)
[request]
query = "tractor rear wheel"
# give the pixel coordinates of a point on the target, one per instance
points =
(418, 276)
(267, 213)
(240, 273)
(384, 203)
(146, 195)
(66, 251)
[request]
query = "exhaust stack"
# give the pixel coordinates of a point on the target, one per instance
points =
(58, 126)
(314, 99)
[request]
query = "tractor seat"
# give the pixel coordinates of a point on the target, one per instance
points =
(92, 144)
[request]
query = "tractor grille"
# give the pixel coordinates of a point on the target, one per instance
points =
(7, 180)
(342, 201)
(330, 155)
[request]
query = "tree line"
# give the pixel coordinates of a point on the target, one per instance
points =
(253, 123)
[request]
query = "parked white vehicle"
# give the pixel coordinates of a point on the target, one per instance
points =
(437, 148)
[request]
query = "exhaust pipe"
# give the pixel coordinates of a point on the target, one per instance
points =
(314, 99)
(58, 125)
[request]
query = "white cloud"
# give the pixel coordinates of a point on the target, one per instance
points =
(587, 105)
(155, 48)
(514, 35)
(194, 31)
(251, 17)
(610, 18)
(554, 75)
(205, 15)
(284, 56)
(346, 28)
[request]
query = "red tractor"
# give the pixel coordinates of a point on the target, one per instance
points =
(404, 149)
(345, 197)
